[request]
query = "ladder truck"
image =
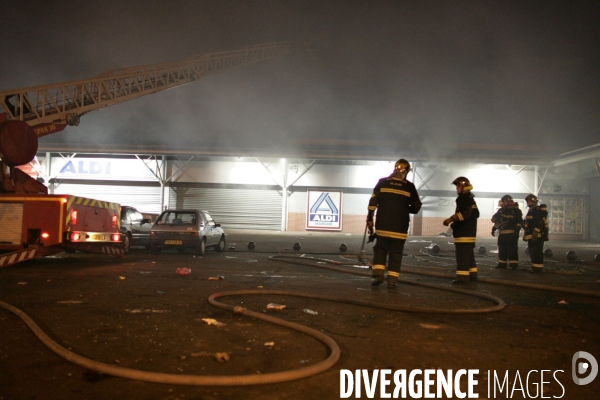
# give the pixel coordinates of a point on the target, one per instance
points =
(34, 223)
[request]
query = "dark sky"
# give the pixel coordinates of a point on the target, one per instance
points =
(395, 73)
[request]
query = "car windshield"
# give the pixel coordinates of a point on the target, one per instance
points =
(177, 218)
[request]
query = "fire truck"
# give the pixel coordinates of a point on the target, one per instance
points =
(34, 223)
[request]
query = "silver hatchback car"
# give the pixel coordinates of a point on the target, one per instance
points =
(186, 229)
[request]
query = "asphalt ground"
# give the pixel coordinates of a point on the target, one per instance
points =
(137, 313)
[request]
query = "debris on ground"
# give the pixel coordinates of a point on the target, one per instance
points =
(183, 271)
(311, 312)
(273, 306)
(211, 321)
(216, 278)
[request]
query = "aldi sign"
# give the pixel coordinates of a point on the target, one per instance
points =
(324, 210)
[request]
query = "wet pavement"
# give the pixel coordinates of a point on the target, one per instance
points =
(137, 313)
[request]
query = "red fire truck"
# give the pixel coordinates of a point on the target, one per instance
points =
(34, 223)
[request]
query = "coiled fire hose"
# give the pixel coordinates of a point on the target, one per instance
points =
(255, 379)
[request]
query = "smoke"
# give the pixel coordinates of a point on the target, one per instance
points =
(393, 77)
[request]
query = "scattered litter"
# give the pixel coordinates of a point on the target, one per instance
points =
(221, 357)
(231, 247)
(21, 283)
(230, 257)
(122, 278)
(160, 292)
(428, 326)
(70, 302)
(270, 344)
(562, 302)
(147, 310)
(183, 271)
(146, 272)
(216, 278)
(211, 321)
(311, 312)
(304, 361)
(251, 260)
(273, 306)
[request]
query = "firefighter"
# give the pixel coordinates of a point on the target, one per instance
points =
(535, 232)
(464, 231)
(508, 221)
(394, 198)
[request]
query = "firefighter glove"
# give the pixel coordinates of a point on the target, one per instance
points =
(447, 221)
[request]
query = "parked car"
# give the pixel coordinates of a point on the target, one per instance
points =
(134, 228)
(186, 229)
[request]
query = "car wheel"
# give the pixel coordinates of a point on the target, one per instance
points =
(221, 246)
(154, 249)
(201, 249)
(126, 243)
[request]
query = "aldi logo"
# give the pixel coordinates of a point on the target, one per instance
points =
(324, 210)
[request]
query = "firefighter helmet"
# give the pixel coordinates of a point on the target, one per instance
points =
(402, 166)
(507, 197)
(531, 197)
(463, 183)
(461, 180)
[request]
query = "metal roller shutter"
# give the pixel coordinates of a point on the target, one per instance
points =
(232, 208)
(11, 220)
(594, 228)
(145, 198)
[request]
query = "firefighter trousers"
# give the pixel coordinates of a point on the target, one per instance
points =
(536, 252)
(466, 268)
(384, 247)
(508, 250)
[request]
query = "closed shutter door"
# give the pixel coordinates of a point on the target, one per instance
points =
(594, 229)
(232, 208)
(11, 221)
(145, 198)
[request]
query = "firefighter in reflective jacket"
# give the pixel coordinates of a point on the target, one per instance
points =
(394, 198)
(464, 231)
(508, 221)
(536, 231)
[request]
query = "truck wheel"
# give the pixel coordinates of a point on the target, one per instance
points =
(126, 243)
(154, 249)
(201, 249)
(221, 246)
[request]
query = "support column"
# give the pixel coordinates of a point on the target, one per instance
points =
(284, 196)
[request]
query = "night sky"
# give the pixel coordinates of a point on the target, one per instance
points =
(399, 74)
